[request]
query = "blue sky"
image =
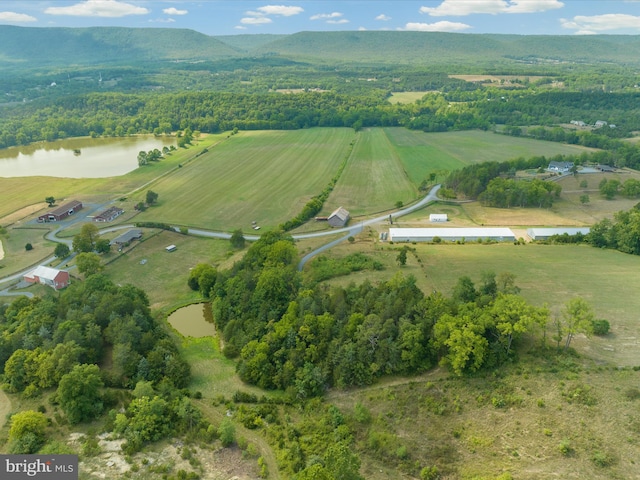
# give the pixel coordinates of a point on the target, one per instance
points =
(229, 17)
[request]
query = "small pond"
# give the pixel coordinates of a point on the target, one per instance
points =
(79, 157)
(195, 320)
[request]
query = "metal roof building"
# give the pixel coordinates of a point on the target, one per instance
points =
(544, 233)
(127, 237)
(450, 234)
(339, 217)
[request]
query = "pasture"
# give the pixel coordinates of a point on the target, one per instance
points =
(266, 176)
(407, 97)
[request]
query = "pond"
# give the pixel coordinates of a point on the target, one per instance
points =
(79, 157)
(195, 320)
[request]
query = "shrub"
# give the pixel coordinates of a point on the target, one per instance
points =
(602, 459)
(28, 247)
(429, 473)
(600, 327)
(565, 448)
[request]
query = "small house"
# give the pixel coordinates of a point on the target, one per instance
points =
(54, 278)
(339, 217)
(600, 123)
(560, 167)
(171, 248)
(438, 217)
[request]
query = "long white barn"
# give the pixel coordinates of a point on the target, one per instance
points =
(500, 234)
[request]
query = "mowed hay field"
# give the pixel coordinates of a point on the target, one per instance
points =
(266, 176)
(547, 274)
(374, 179)
(423, 153)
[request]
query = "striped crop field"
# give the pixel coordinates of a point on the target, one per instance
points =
(374, 179)
(423, 153)
(262, 176)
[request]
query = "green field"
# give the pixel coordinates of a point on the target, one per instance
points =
(406, 97)
(266, 176)
(423, 153)
(374, 179)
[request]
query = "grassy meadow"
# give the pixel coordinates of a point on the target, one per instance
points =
(261, 176)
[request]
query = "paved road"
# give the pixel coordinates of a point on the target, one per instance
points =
(348, 231)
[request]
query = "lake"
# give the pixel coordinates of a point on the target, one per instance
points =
(79, 157)
(195, 320)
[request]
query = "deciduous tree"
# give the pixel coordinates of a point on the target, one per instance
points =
(79, 393)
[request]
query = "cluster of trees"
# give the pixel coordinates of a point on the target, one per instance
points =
(622, 233)
(611, 187)
(474, 180)
(507, 193)
(57, 342)
(305, 338)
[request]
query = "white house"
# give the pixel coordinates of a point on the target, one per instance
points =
(438, 217)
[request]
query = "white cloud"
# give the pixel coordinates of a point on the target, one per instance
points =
(362, 29)
(468, 7)
(98, 8)
(174, 11)
(240, 27)
(162, 20)
(16, 17)
(255, 20)
(443, 26)
(338, 22)
(588, 25)
(325, 16)
(282, 10)
(384, 18)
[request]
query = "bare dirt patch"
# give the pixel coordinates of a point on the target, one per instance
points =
(22, 213)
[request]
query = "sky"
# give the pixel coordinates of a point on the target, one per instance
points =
(232, 17)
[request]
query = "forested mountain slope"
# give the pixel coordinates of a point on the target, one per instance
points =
(33, 47)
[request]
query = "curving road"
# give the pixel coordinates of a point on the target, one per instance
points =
(348, 231)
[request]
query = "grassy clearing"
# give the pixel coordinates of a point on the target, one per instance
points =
(407, 97)
(16, 257)
(550, 417)
(164, 275)
(423, 153)
(261, 176)
(374, 179)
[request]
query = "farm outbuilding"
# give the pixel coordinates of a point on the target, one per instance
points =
(545, 233)
(108, 215)
(438, 217)
(61, 212)
(339, 217)
(499, 234)
(127, 237)
(52, 277)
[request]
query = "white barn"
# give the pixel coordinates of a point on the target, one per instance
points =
(438, 217)
(500, 234)
(544, 233)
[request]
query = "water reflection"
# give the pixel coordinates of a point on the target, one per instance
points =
(194, 320)
(79, 157)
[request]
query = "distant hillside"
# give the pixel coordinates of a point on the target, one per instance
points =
(247, 42)
(454, 48)
(35, 47)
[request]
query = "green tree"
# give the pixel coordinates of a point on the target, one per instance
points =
(227, 432)
(62, 250)
(85, 241)
(28, 247)
(152, 197)
(584, 199)
(577, 317)
(513, 317)
(79, 393)
(237, 239)
(89, 263)
(342, 463)
(103, 246)
(50, 200)
(28, 432)
(402, 256)
(464, 290)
